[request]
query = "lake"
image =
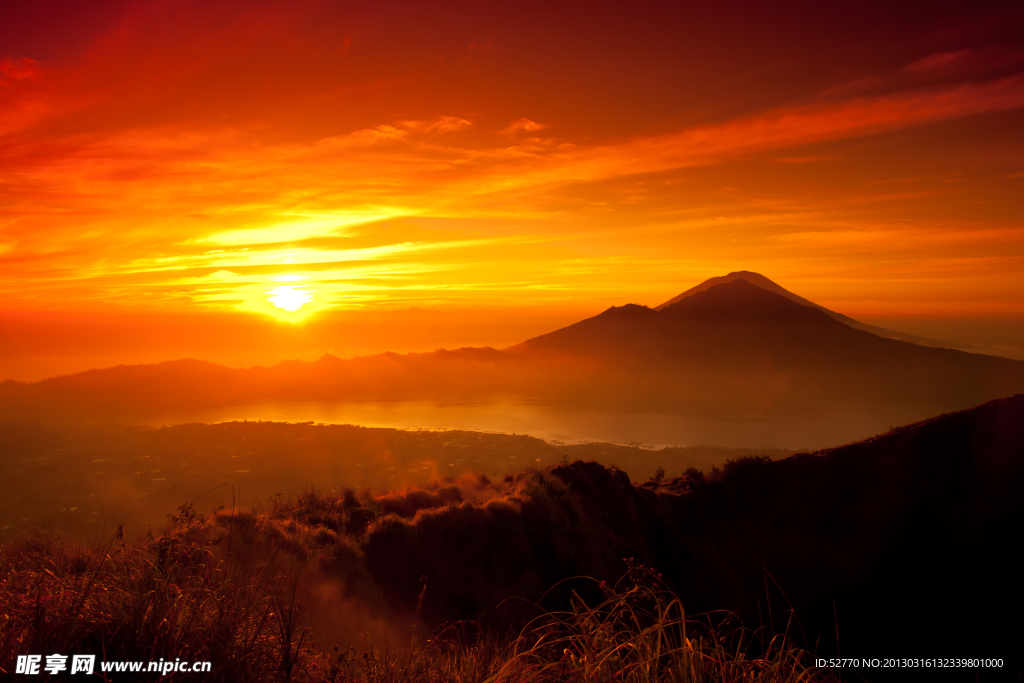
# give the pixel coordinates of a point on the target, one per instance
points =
(557, 424)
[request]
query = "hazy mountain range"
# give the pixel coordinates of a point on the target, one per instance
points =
(735, 346)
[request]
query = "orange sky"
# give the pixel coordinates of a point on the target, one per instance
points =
(176, 175)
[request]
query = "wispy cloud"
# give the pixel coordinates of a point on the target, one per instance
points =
(143, 199)
(293, 231)
(780, 128)
(944, 61)
(522, 126)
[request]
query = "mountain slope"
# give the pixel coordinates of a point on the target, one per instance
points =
(764, 283)
(138, 391)
(742, 348)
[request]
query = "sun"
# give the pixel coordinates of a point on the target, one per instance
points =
(289, 297)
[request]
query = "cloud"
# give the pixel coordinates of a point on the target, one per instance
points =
(776, 129)
(445, 124)
(944, 61)
(521, 126)
(19, 69)
(300, 230)
(365, 137)
(399, 131)
(110, 186)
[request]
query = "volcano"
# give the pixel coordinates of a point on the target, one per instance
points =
(764, 283)
(734, 347)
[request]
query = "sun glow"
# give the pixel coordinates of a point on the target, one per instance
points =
(132, 179)
(289, 297)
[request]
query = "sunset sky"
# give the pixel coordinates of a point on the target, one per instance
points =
(251, 181)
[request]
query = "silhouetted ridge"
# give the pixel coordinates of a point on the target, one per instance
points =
(894, 537)
(761, 281)
(727, 349)
(755, 279)
(734, 349)
(743, 301)
(687, 327)
(627, 311)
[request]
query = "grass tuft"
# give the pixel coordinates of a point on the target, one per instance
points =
(640, 633)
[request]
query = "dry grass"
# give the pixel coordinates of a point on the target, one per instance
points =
(168, 597)
(226, 589)
(640, 633)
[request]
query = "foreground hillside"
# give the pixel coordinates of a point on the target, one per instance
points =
(899, 546)
(883, 539)
(229, 609)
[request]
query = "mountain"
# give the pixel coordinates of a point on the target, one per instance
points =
(145, 391)
(764, 283)
(728, 349)
(739, 349)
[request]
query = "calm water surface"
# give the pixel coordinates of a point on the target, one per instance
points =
(557, 424)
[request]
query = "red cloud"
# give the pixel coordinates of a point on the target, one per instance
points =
(19, 69)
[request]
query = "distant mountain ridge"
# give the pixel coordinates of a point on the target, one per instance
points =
(728, 349)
